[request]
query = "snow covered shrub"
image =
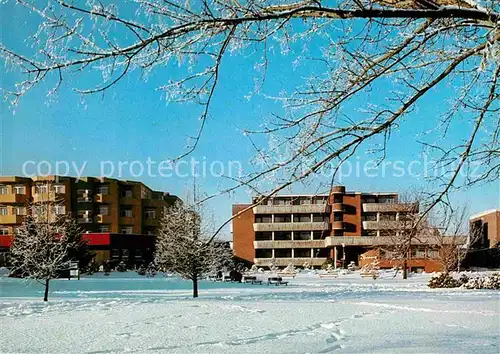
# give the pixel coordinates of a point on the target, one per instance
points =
(484, 282)
(443, 280)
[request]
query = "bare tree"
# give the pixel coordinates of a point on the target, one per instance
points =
(404, 50)
(44, 243)
(182, 245)
(454, 239)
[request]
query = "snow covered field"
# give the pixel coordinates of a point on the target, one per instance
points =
(128, 313)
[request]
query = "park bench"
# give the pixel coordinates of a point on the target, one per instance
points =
(329, 275)
(252, 280)
(227, 278)
(287, 274)
(372, 275)
(276, 281)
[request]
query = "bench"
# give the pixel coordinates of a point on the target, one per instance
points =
(276, 281)
(287, 274)
(329, 275)
(227, 278)
(369, 275)
(251, 279)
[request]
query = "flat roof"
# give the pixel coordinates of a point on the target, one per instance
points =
(484, 213)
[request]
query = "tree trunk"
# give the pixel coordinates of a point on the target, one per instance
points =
(405, 269)
(195, 287)
(46, 294)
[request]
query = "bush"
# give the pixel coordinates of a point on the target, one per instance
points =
(485, 282)
(443, 280)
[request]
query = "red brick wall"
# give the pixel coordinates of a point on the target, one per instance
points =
(243, 234)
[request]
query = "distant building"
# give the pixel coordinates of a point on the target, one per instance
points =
(486, 226)
(341, 226)
(101, 206)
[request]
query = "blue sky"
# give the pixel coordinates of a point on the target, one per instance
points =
(133, 122)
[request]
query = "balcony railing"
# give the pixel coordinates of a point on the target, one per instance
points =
(86, 220)
(331, 241)
(292, 209)
(291, 226)
(11, 219)
(104, 219)
(289, 244)
(385, 225)
(12, 198)
(389, 207)
(283, 262)
(338, 225)
(338, 207)
(48, 197)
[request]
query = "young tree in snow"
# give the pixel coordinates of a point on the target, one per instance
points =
(183, 244)
(44, 244)
(454, 239)
(405, 51)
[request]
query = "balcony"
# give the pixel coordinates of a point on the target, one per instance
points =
(48, 197)
(127, 220)
(292, 209)
(289, 244)
(384, 225)
(85, 220)
(332, 241)
(150, 222)
(338, 207)
(291, 226)
(13, 198)
(283, 262)
(104, 219)
(104, 198)
(11, 219)
(389, 207)
(338, 225)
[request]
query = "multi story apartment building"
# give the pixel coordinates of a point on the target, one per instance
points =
(341, 226)
(100, 205)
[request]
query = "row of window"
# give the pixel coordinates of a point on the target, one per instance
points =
(279, 218)
(61, 188)
(287, 236)
(287, 253)
(102, 228)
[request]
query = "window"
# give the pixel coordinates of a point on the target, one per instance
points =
(388, 216)
(59, 209)
(337, 199)
(103, 210)
(321, 218)
(282, 218)
(302, 235)
(282, 236)
(263, 236)
(59, 188)
(84, 213)
(126, 213)
(320, 201)
(126, 193)
(4, 190)
(318, 235)
(263, 253)
(103, 228)
(304, 201)
(41, 188)
(4, 230)
(369, 200)
(302, 218)
(126, 230)
(338, 217)
(302, 253)
(149, 213)
(282, 201)
(19, 210)
(418, 252)
(20, 189)
(369, 217)
(387, 200)
(103, 189)
(115, 253)
(4, 211)
(261, 219)
(433, 253)
(283, 253)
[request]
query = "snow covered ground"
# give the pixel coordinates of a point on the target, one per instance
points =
(128, 313)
